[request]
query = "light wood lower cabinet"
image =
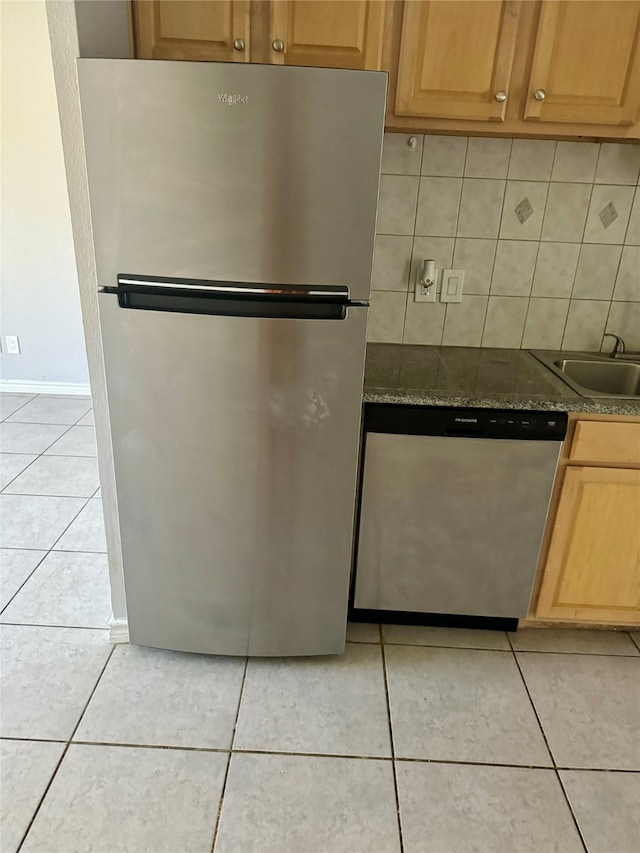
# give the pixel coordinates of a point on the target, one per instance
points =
(592, 568)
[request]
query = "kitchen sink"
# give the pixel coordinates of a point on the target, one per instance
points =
(593, 375)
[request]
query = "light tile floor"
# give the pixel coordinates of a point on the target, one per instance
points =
(420, 740)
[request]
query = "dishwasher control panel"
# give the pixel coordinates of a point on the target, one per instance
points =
(466, 423)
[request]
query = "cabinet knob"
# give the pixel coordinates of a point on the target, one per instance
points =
(501, 96)
(238, 44)
(278, 45)
(540, 94)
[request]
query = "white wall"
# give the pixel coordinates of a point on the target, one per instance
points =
(39, 287)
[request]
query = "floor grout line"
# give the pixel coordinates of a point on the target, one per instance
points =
(391, 741)
(45, 554)
(64, 752)
(228, 767)
(340, 756)
(546, 741)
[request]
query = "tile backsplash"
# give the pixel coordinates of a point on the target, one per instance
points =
(548, 234)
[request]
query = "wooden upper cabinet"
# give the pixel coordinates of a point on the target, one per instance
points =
(593, 566)
(585, 66)
(456, 58)
(192, 29)
(329, 33)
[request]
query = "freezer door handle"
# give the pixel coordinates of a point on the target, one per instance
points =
(203, 300)
(236, 289)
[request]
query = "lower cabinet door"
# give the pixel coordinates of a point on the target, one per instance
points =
(592, 572)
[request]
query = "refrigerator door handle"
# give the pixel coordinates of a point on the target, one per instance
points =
(194, 301)
(334, 293)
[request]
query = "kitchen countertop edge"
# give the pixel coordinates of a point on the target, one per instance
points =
(385, 382)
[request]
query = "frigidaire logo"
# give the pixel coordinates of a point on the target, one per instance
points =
(466, 420)
(232, 100)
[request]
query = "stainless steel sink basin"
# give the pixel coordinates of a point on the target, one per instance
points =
(594, 376)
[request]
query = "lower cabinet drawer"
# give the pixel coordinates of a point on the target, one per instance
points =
(606, 443)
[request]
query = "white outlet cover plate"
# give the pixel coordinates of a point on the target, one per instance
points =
(13, 344)
(425, 297)
(452, 282)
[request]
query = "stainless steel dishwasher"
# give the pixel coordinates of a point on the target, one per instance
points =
(453, 508)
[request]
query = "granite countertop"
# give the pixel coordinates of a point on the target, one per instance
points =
(475, 377)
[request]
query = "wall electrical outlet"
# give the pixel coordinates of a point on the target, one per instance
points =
(13, 344)
(452, 281)
(426, 281)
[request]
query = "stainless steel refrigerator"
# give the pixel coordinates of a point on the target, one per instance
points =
(233, 211)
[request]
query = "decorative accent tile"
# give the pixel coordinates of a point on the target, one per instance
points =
(513, 270)
(618, 163)
(386, 317)
(585, 325)
(475, 256)
(487, 157)
(398, 158)
(566, 212)
(545, 323)
(391, 261)
(596, 272)
(397, 204)
(464, 322)
(444, 155)
(608, 214)
(575, 162)
(480, 207)
(627, 287)
(555, 269)
(438, 202)
(531, 159)
(523, 209)
(504, 325)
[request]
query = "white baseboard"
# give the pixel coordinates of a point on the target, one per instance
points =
(28, 386)
(119, 631)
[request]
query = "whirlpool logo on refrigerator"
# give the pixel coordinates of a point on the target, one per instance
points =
(233, 100)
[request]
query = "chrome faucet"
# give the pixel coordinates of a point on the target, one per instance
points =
(618, 347)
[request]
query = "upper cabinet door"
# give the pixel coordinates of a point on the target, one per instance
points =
(456, 58)
(585, 63)
(192, 29)
(328, 33)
